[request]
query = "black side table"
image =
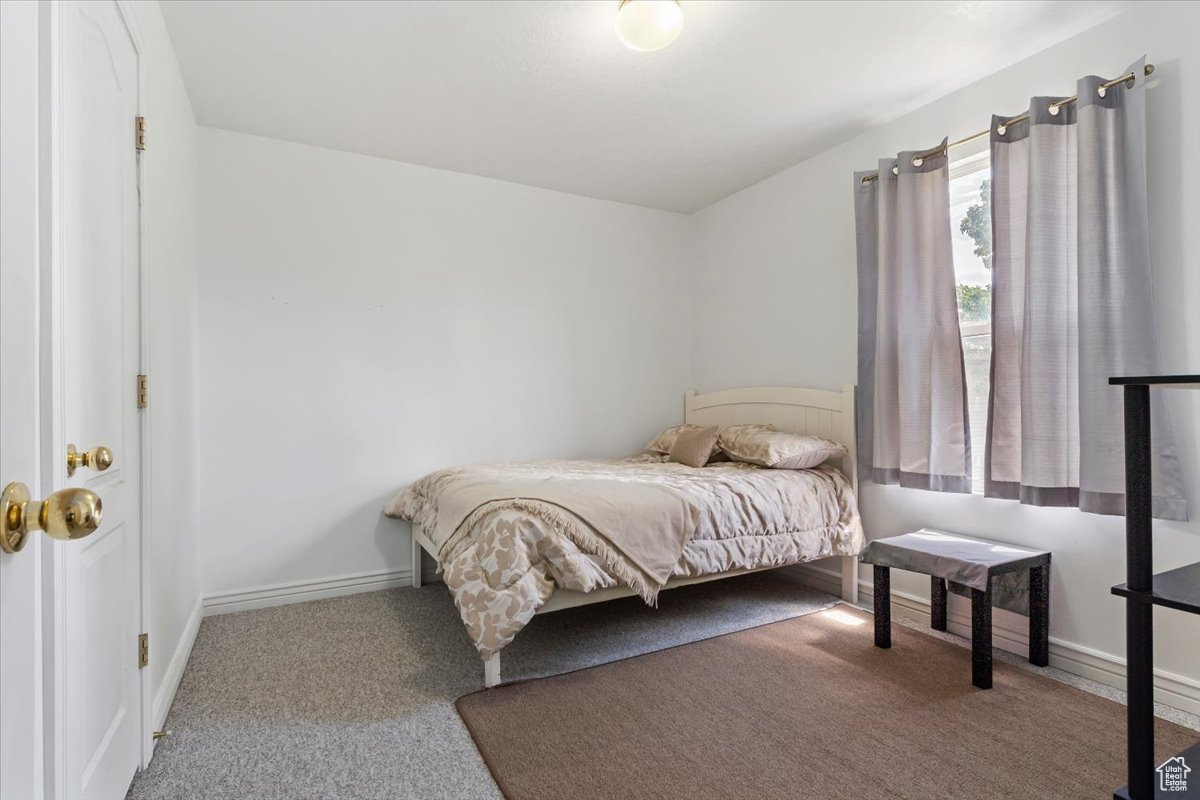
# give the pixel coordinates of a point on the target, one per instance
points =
(970, 564)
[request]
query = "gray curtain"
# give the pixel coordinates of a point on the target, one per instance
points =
(1072, 303)
(912, 402)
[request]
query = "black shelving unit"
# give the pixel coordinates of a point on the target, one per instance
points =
(1178, 589)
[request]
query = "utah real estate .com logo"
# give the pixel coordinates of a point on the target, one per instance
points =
(1172, 775)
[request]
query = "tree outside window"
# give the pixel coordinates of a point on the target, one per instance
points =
(975, 301)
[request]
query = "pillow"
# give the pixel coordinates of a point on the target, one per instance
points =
(719, 455)
(731, 432)
(694, 447)
(778, 450)
(666, 440)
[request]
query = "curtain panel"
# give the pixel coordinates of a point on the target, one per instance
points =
(912, 401)
(1072, 303)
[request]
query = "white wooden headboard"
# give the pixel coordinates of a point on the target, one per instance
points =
(818, 412)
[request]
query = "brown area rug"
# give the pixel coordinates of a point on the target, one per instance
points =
(804, 708)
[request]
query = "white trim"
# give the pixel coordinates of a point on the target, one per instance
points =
(146, 611)
(174, 674)
(848, 579)
(50, 223)
(971, 158)
(1011, 633)
(491, 671)
(280, 594)
(414, 562)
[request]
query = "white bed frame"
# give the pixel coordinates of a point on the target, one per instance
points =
(813, 411)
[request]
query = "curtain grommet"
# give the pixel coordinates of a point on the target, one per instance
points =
(917, 161)
(1001, 130)
(1053, 110)
(1100, 90)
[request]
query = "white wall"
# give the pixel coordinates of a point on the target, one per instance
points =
(169, 186)
(364, 322)
(775, 303)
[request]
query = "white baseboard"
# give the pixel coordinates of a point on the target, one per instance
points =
(1011, 632)
(174, 674)
(300, 591)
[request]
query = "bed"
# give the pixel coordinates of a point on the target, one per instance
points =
(577, 567)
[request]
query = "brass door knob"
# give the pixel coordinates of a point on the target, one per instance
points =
(98, 458)
(66, 514)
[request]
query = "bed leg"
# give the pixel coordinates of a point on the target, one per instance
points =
(491, 671)
(416, 560)
(850, 579)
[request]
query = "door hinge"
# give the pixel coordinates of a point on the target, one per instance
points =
(140, 139)
(143, 650)
(143, 391)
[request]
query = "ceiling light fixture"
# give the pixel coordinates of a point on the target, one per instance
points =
(648, 25)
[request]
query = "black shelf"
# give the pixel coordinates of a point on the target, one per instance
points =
(1163, 381)
(1142, 590)
(1178, 589)
(1191, 756)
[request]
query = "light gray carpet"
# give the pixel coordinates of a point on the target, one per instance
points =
(353, 697)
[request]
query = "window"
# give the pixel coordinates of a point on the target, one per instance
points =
(971, 237)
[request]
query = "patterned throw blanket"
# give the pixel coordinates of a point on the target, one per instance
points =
(506, 535)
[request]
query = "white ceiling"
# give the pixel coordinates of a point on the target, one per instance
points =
(542, 93)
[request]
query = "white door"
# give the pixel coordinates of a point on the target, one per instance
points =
(21, 762)
(97, 358)
(70, 332)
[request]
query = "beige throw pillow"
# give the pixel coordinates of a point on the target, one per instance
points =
(694, 447)
(777, 450)
(666, 440)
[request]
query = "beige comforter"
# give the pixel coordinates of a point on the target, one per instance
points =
(507, 535)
